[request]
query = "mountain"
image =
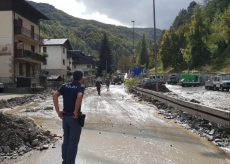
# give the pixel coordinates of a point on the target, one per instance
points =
(86, 35)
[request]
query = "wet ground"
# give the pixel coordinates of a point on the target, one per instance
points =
(215, 99)
(121, 129)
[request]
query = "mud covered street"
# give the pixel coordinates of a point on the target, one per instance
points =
(121, 129)
(215, 99)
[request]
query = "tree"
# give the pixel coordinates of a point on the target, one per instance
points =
(185, 16)
(144, 57)
(195, 39)
(105, 57)
(165, 51)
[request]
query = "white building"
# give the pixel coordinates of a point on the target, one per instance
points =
(57, 63)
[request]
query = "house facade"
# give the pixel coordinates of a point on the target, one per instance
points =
(57, 63)
(20, 57)
(86, 64)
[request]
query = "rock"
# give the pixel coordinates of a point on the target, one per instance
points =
(6, 149)
(35, 143)
(20, 153)
(212, 132)
(22, 149)
(222, 144)
(45, 146)
(48, 108)
(209, 137)
(28, 144)
(218, 140)
(47, 133)
(195, 101)
(0, 150)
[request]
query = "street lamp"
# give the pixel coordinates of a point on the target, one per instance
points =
(155, 43)
(133, 40)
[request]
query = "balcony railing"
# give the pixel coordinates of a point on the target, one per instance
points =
(20, 30)
(29, 55)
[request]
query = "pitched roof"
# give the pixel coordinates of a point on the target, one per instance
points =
(80, 58)
(53, 42)
(23, 8)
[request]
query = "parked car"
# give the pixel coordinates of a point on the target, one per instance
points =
(173, 79)
(1, 87)
(151, 80)
(218, 82)
(117, 80)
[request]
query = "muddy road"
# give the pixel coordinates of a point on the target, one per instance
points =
(214, 99)
(121, 129)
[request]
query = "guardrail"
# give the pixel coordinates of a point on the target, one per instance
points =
(218, 116)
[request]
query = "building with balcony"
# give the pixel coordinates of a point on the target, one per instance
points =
(20, 57)
(86, 64)
(57, 63)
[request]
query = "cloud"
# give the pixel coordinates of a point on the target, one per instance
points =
(139, 10)
(122, 12)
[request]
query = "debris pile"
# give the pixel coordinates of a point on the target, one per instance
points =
(21, 135)
(212, 132)
(22, 100)
(161, 87)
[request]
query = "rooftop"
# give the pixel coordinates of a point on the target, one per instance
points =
(23, 8)
(53, 42)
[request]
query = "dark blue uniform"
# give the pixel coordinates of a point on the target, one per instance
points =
(69, 92)
(71, 127)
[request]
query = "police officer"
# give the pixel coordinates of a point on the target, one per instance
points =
(72, 94)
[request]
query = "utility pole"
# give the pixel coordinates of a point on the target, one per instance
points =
(155, 45)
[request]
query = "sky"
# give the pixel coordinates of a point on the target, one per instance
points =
(123, 12)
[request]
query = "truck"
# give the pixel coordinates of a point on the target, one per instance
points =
(218, 82)
(173, 79)
(152, 79)
(188, 80)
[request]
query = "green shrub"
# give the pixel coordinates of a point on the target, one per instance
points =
(131, 83)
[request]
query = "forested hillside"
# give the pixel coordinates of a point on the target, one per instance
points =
(199, 39)
(86, 35)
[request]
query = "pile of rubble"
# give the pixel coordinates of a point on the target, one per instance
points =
(214, 133)
(218, 135)
(21, 135)
(161, 87)
(22, 100)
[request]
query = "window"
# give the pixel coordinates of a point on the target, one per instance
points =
(44, 49)
(32, 31)
(63, 50)
(20, 69)
(19, 22)
(20, 45)
(63, 61)
(32, 48)
(33, 70)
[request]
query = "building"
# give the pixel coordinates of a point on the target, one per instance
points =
(57, 63)
(86, 64)
(20, 58)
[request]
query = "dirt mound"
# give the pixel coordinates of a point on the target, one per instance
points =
(23, 100)
(20, 135)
